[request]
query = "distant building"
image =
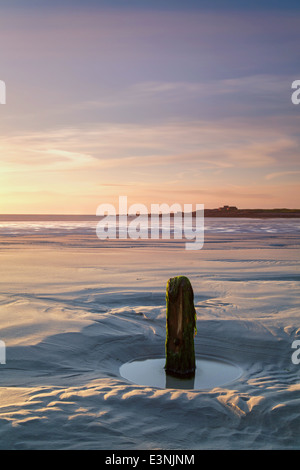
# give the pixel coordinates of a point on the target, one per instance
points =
(228, 208)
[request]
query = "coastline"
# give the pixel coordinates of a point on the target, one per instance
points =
(208, 213)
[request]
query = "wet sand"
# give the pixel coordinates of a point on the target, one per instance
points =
(73, 309)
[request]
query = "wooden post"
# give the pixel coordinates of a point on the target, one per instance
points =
(180, 328)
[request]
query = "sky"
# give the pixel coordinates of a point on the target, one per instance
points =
(160, 101)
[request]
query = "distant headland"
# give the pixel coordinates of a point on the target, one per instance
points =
(232, 211)
(225, 211)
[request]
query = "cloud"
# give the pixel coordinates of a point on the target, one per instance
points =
(66, 159)
(30, 154)
(281, 174)
(240, 95)
(176, 146)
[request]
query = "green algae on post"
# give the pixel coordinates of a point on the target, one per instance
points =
(180, 328)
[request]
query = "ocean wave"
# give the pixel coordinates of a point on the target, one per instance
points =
(211, 225)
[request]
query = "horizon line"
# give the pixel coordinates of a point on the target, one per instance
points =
(51, 214)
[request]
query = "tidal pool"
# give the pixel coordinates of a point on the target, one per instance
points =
(210, 373)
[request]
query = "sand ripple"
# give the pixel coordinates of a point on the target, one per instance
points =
(70, 324)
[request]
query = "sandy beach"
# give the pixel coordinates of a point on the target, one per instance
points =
(124, 126)
(74, 309)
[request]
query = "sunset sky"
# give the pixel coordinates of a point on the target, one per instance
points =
(160, 101)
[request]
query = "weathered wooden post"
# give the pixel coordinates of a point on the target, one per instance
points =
(180, 328)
